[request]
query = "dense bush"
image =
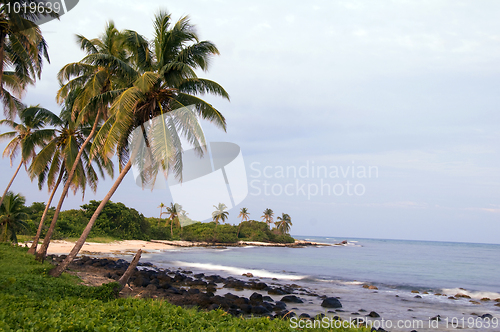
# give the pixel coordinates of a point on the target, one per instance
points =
(122, 223)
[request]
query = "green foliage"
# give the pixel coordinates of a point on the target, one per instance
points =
(118, 221)
(33, 301)
(12, 217)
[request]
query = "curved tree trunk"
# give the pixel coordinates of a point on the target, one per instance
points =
(10, 183)
(56, 272)
(130, 270)
(32, 250)
(42, 252)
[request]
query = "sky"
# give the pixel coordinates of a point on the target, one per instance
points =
(408, 90)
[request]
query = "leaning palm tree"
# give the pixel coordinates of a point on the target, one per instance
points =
(27, 136)
(244, 217)
(268, 216)
(51, 164)
(22, 48)
(166, 81)
(220, 214)
(99, 78)
(284, 223)
(12, 217)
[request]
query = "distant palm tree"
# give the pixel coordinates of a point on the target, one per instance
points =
(220, 214)
(173, 210)
(283, 224)
(12, 217)
(161, 206)
(268, 216)
(244, 217)
(27, 135)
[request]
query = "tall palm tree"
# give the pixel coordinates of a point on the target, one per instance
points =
(268, 216)
(166, 81)
(27, 136)
(52, 163)
(284, 223)
(244, 217)
(12, 217)
(220, 214)
(99, 78)
(22, 48)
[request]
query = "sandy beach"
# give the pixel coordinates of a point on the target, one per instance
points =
(61, 247)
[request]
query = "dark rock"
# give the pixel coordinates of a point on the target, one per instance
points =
(373, 314)
(285, 314)
(487, 316)
(438, 318)
(259, 310)
(276, 291)
(267, 298)
(231, 297)
(304, 315)
(292, 299)
(279, 306)
(256, 297)
(193, 291)
(331, 302)
(246, 308)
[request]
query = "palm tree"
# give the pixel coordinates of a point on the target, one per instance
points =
(27, 135)
(244, 217)
(52, 163)
(99, 77)
(166, 80)
(173, 211)
(283, 224)
(268, 216)
(161, 206)
(22, 48)
(12, 217)
(220, 214)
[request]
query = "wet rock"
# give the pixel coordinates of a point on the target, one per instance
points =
(285, 314)
(418, 296)
(304, 316)
(276, 291)
(487, 316)
(292, 299)
(256, 297)
(438, 318)
(331, 302)
(373, 314)
(373, 287)
(460, 295)
(267, 298)
(192, 291)
(415, 291)
(249, 275)
(279, 306)
(259, 310)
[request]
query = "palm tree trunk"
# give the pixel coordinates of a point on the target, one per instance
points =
(130, 270)
(56, 272)
(10, 183)
(172, 228)
(32, 250)
(2, 58)
(42, 253)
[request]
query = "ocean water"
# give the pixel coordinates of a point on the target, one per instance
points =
(395, 267)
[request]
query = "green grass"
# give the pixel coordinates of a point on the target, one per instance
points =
(33, 301)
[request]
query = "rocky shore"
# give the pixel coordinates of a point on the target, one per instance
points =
(184, 288)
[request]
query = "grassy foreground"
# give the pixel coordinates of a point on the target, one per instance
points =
(33, 301)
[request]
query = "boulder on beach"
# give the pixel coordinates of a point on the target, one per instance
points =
(292, 299)
(331, 302)
(373, 314)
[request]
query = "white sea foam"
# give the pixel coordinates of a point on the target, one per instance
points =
(472, 294)
(237, 270)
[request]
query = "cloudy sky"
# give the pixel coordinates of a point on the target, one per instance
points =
(407, 88)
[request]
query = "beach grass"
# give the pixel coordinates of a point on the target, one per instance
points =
(32, 300)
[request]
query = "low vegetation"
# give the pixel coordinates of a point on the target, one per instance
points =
(35, 302)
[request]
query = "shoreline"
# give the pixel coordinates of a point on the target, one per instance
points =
(62, 247)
